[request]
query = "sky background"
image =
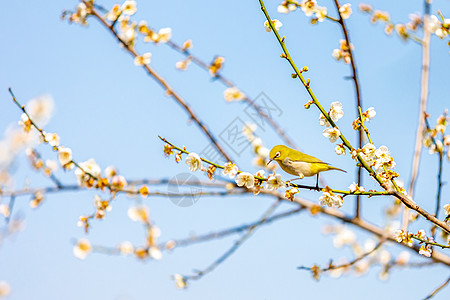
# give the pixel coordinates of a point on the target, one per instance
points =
(108, 109)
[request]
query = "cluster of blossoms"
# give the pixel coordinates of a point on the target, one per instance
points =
(310, 7)
(330, 199)
(336, 112)
(436, 139)
(439, 27)
(48, 167)
(343, 52)
(366, 116)
(260, 151)
(380, 159)
(344, 237)
(150, 250)
(406, 237)
(79, 16)
(17, 139)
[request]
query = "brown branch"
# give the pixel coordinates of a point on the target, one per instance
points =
(349, 264)
(358, 97)
(163, 83)
(438, 289)
(236, 245)
(227, 82)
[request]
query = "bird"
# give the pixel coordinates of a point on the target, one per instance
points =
(297, 163)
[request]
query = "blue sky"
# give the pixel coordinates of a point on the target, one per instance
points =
(109, 109)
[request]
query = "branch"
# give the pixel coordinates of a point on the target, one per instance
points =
(422, 108)
(236, 245)
(162, 82)
(403, 198)
(358, 96)
(438, 289)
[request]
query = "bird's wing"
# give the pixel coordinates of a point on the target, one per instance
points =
(311, 159)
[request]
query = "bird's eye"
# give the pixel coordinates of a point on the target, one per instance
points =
(278, 154)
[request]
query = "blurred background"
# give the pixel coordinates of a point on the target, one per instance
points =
(108, 109)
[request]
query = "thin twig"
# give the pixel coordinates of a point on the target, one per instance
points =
(349, 264)
(226, 232)
(236, 245)
(444, 284)
(227, 82)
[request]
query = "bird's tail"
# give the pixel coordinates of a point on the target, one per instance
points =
(334, 168)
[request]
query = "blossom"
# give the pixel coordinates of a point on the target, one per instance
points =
(323, 121)
(290, 193)
(345, 11)
(274, 182)
(230, 169)
(40, 109)
(119, 182)
(402, 258)
(339, 149)
(308, 7)
(332, 134)
(369, 152)
(233, 94)
(336, 111)
(370, 113)
(138, 213)
(187, 45)
(355, 188)
(183, 64)
(65, 156)
(330, 199)
(37, 199)
(155, 253)
(164, 35)
(337, 54)
(245, 179)
(126, 248)
(52, 139)
(114, 13)
(110, 171)
(180, 281)
(285, 7)
(89, 166)
(383, 154)
(321, 13)
(82, 248)
(344, 237)
(4, 210)
(5, 289)
(129, 7)
(143, 59)
(194, 162)
(276, 23)
(447, 209)
(425, 250)
(403, 237)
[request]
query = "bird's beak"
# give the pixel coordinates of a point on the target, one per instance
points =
(270, 160)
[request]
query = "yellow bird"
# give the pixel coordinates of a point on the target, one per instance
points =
(297, 163)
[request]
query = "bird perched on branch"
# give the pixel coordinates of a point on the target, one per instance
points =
(297, 163)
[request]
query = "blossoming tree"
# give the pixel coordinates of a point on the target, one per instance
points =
(412, 233)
